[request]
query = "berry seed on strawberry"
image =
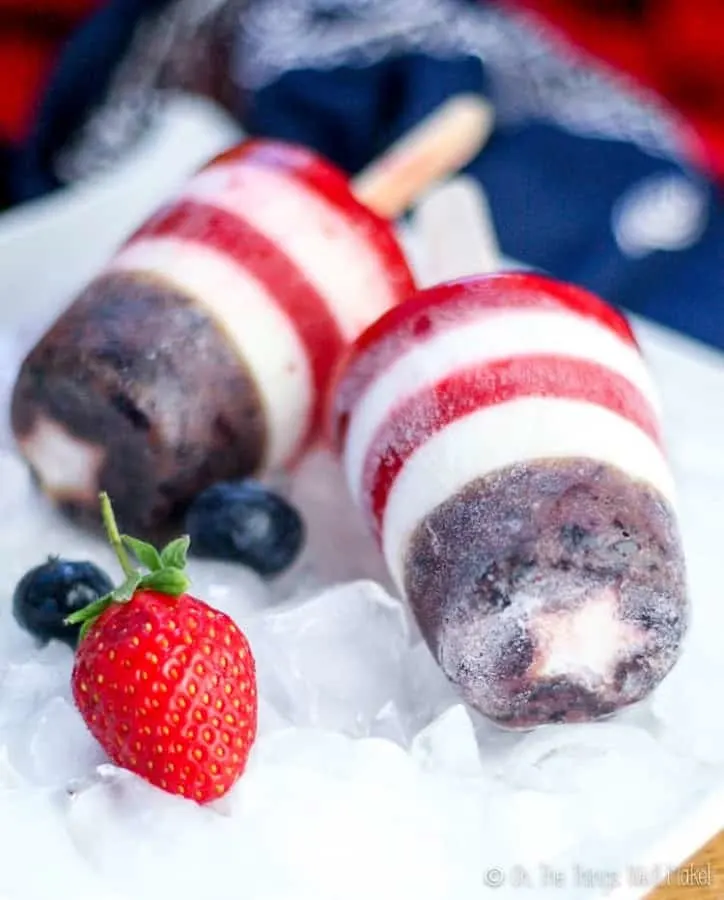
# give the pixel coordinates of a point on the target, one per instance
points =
(165, 683)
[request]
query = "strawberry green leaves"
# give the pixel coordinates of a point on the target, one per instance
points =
(124, 592)
(146, 554)
(165, 571)
(175, 554)
(171, 581)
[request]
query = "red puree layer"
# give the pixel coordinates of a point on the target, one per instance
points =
(442, 307)
(237, 238)
(433, 408)
(325, 179)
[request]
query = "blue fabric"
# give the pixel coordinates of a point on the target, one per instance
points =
(591, 195)
(352, 113)
(86, 66)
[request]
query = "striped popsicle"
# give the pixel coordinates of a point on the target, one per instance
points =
(204, 349)
(501, 436)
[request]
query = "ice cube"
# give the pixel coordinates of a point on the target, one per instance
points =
(329, 817)
(390, 724)
(602, 774)
(449, 744)
(25, 687)
(268, 718)
(339, 547)
(335, 660)
(428, 693)
(56, 655)
(58, 746)
(529, 827)
(38, 858)
(317, 816)
(689, 722)
(130, 833)
(233, 589)
(305, 748)
(9, 776)
(489, 829)
(333, 754)
(16, 645)
(459, 811)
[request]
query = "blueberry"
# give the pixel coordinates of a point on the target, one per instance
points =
(49, 593)
(245, 522)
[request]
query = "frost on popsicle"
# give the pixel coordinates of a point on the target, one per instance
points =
(501, 436)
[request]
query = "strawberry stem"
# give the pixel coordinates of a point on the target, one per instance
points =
(114, 535)
(166, 573)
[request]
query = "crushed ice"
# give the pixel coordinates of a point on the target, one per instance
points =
(369, 776)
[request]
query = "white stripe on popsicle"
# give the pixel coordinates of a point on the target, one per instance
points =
(488, 337)
(335, 256)
(262, 334)
(516, 432)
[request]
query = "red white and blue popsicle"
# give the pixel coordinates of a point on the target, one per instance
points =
(203, 350)
(501, 435)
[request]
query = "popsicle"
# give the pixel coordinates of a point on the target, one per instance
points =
(202, 351)
(501, 436)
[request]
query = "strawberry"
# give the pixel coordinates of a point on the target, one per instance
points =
(165, 683)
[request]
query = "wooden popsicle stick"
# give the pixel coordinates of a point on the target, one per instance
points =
(442, 143)
(455, 224)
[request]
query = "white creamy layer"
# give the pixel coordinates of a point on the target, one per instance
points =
(585, 643)
(507, 434)
(328, 246)
(261, 332)
(511, 333)
(68, 467)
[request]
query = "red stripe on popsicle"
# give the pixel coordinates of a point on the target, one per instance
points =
(235, 237)
(443, 307)
(330, 183)
(416, 419)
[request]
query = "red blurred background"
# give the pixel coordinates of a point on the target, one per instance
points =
(675, 47)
